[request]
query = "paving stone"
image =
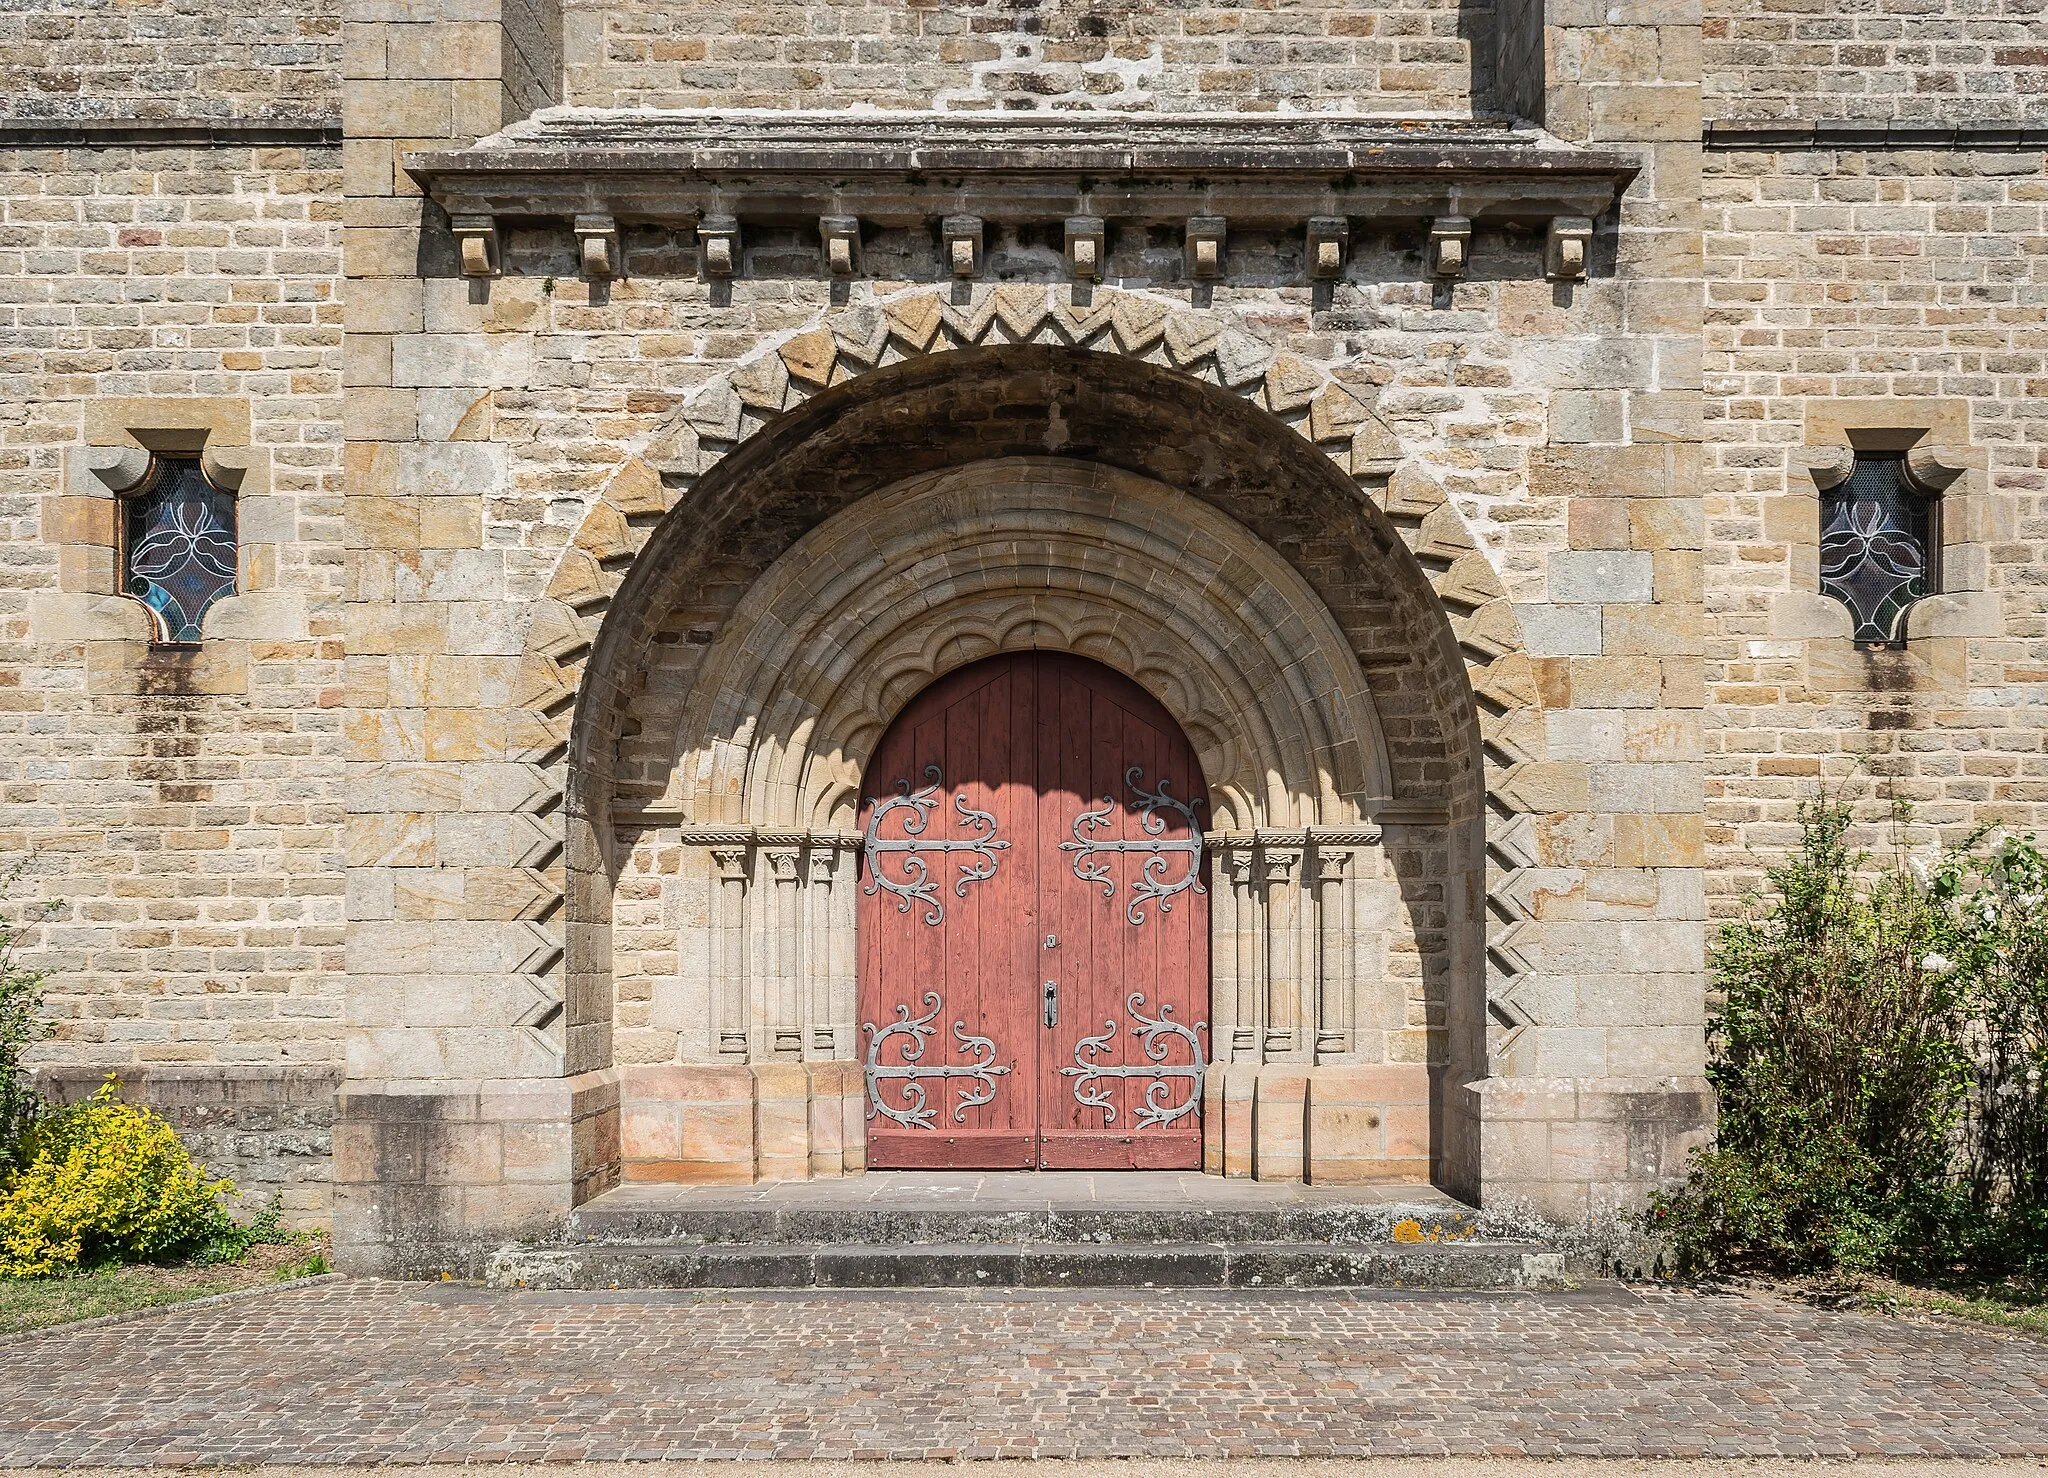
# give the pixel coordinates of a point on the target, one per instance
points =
(362, 1372)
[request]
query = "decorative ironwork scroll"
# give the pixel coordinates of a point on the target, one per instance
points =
(1091, 866)
(917, 881)
(917, 1112)
(1153, 1034)
(181, 547)
(1876, 546)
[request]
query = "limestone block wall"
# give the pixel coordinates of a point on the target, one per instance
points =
(1303, 55)
(1853, 293)
(226, 59)
(182, 809)
(456, 1110)
(1916, 60)
(1596, 947)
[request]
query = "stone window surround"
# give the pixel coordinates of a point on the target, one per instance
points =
(1934, 435)
(123, 438)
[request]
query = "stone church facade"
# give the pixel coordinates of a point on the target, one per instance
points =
(484, 482)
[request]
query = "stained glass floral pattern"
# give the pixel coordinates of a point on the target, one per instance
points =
(1876, 547)
(181, 547)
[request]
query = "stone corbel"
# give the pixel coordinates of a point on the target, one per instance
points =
(476, 239)
(1936, 466)
(1450, 246)
(962, 237)
(597, 240)
(1962, 607)
(841, 238)
(718, 247)
(1329, 242)
(117, 469)
(1204, 249)
(228, 467)
(1567, 248)
(1085, 248)
(1828, 466)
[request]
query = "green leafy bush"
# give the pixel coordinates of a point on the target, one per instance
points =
(21, 1027)
(105, 1182)
(1879, 1056)
(1995, 908)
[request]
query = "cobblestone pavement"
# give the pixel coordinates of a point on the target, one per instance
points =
(357, 1372)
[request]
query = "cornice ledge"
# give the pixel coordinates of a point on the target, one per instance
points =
(897, 168)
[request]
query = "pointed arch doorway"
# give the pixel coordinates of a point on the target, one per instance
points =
(1033, 925)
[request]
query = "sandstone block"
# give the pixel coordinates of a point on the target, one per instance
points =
(398, 109)
(1279, 1123)
(1600, 577)
(1560, 630)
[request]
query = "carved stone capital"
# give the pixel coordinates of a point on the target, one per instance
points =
(1277, 865)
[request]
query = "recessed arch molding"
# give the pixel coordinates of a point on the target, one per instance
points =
(1333, 415)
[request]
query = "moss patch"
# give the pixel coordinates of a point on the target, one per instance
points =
(38, 1303)
(2011, 1304)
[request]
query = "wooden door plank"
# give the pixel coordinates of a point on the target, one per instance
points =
(1126, 728)
(1033, 739)
(965, 958)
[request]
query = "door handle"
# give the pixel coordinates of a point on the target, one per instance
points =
(1052, 1003)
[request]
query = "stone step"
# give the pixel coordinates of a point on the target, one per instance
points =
(729, 1219)
(1470, 1265)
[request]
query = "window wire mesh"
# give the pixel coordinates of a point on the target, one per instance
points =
(180, 547)
(1876, 547)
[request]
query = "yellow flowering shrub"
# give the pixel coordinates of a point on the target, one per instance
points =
(106, 1181)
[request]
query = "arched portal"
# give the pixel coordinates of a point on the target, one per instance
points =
(1033, 925)
(1384, 622)
(760, 712)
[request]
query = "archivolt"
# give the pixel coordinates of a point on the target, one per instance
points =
(1023, 553)
(849, 342)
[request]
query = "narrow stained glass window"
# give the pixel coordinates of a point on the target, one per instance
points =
(180, 547)
(1877, 547)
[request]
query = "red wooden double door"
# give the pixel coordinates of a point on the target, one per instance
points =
(1034, 925)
